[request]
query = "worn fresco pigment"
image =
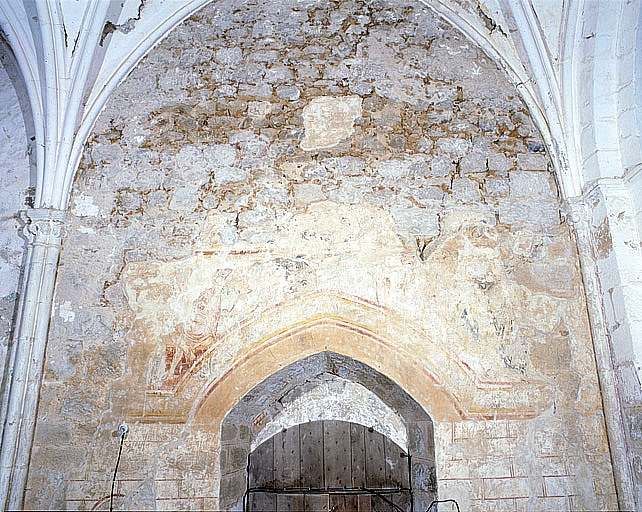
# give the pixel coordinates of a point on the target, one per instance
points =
(278, 179)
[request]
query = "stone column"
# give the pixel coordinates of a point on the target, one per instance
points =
(43, 228)
(611, 259)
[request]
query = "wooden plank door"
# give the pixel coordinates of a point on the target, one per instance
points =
(312, 468)
(328, 455)
(261, 474)
(287, 468)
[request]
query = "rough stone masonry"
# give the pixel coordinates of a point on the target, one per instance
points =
(282, 178)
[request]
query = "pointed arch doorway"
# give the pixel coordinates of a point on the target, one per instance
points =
(334, 400)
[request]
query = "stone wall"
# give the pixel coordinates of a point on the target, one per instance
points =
(14, 186)
(357, 168)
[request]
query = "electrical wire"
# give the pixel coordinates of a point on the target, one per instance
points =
(443, 501)
(113, 480)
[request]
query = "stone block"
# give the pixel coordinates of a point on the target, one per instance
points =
(218, 155)
(532, 162)
(348, 192)
(393, 169)
(227, 174)
(69, 504)
(559, 486)
(416, 221)
(463, 491)
(197, 487)
(424, 475)
(455, 469)
(177, 504)
(552, 466)
(442, 166)
(232, 487)
(345, 165)
(233, 458)
(499, 162)
(183, 199)
(166, 489)
(85, 489)
(533, 184)
(276, 74)
(306, 193)
(491, 468)
(498, 505)
(473, 162)
(258, 109)
(211, 503)
(423, 499)
(229, 56)
(465, 190)
(496, 187)
(454, 218)
(634, 418)
(529, 214)
(329, 120)
(455, 146)
(501, 447)
(229, 432)
(421, 438)
(261, 90)
(468, 429)
(495, 488)
(288, 92)
(427, 196)
(549, 504)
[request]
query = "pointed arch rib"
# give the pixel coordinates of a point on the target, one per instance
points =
(127, 49)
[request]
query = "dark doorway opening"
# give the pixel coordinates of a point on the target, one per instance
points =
(243, 434)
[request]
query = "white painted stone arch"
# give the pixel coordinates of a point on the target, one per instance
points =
(335, 398)
(601, 87)
(582, 98)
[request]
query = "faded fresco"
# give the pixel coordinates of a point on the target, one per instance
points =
(280, 179)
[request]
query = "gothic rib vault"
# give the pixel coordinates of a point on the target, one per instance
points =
(574, 71)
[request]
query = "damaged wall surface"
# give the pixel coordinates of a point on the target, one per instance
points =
(14, 183)
(277, 180)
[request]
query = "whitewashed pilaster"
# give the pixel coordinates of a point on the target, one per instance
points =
(44, 229)
(610, 256)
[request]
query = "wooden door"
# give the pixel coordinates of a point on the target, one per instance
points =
(328, 466)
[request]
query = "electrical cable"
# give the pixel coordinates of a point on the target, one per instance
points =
(122, 432)
(443, 501)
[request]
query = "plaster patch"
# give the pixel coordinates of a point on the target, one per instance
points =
(329, 120)
(84, 206)
(65, 312)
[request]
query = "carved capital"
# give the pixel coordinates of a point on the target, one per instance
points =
(44, 226)
(576, 210)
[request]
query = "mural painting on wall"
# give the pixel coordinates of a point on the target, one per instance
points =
(191, 329)
(191, 339)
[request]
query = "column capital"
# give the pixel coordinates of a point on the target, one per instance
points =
(576, 210)
(43, 226)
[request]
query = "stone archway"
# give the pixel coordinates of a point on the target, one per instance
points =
(382, 405)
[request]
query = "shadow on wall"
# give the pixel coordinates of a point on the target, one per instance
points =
(18, 163)
(272, 401)
(9, 63)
